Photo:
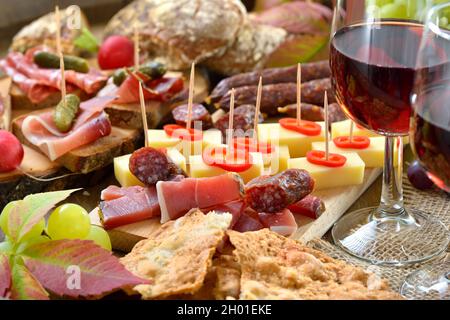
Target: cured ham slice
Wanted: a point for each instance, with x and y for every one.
(38, 83)
(310, 206)
(91, 124)
(248, 221)
(234, 207)
(176, 198)
(281, 222)
(123, 206)
(159, 89)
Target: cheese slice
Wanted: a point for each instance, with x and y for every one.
(276, 161)
(351, 173)
(297, 143)
(127, 179)
(159, 139)
(342, 128)
(373, 156)
(199, 169)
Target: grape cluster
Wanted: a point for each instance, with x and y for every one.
(68, 221)
(406, 9)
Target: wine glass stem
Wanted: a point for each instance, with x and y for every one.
(391, 203)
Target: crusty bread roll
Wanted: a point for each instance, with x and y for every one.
(43, 32)
(180, 32)
(250, 51)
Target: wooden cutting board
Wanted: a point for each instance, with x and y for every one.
(337, 201)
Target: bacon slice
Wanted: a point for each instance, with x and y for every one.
(159, 89)
(123, 206)
(176, 198)
(281, 222)
(236, 208)
(248, 221)
(39, 83)
(91, 124)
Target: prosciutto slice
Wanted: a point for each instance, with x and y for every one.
(281, 222)
(39, 83)
(176, 198)
(248, 221)
(122, 206)
(91, 124)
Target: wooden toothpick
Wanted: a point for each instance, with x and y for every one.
(350, 136)
(230, 121)
(257, 108)
(61, 57)
(299, 93)
(191, 96)
(144, 113)
(136, 47)
(325, 105)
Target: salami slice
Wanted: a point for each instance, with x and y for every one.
(310, 206)
(243, 119)
(199, 113)
(149, 165)
(310, 71)
(272, 194)
(278, 95)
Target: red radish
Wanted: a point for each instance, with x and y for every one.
(11, 151)
(116, 52)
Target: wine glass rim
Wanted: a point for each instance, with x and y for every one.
(431, 23)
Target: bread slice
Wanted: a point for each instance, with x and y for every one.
(129, 115)
(19, 100)
(17, 184)
(95, 155)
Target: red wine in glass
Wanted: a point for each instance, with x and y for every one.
(373, 73)
(430, 134)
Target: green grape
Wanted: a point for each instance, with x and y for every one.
(36, 230)
(393, 10)
(100, 237)
(378, 3)
(69, 221)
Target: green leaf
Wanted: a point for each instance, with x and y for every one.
(77, 268)
(87, 41)
(5, 275)
(25, 286)
(29, 211)
(297, 49)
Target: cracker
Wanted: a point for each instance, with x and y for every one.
(228, 277)
(275, 267)
(176, 258)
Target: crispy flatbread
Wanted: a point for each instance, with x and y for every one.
(275, 267)
(176, 258)
(228, 277)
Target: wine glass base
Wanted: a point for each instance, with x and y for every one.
(395, 240)
(429, 283)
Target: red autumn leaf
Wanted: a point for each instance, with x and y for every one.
(29, 211)
(77, 268)
(5, 275)
(298, 17)
(25, 286)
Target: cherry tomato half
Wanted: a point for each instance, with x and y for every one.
(318, 157)
(177, 131)
(249, 145)
(229, 160)
(357, 142)
(308, 128)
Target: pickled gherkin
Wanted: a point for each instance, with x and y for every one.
(65, 113)
(50, 60)
(153, 70)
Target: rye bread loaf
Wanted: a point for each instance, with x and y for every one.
(180, 32)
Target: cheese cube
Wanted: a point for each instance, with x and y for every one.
(199, 169)
(127, 179)
(373, 156)
(159, 139)
(277, 161)
(352, 172)
(342, 128)
(297, 143)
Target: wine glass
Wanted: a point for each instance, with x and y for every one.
(373, 63)
(430, 135)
